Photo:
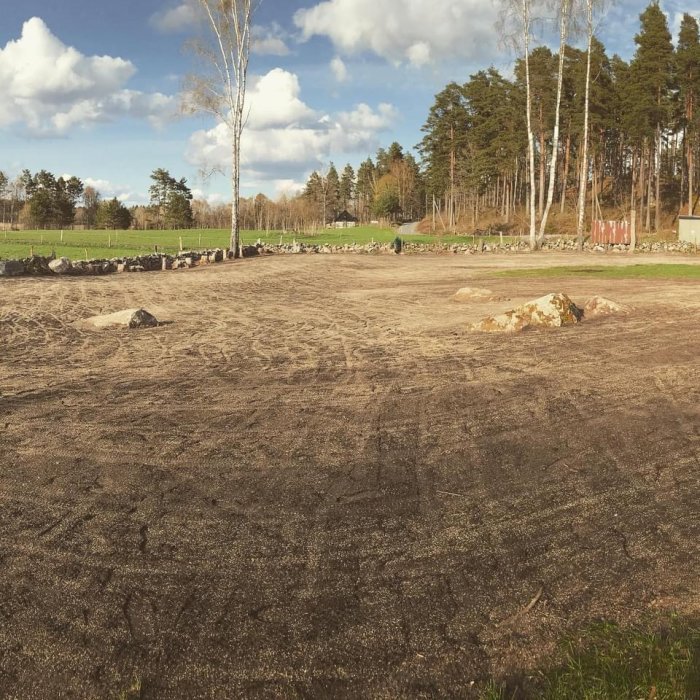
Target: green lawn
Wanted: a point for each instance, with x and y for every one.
(606, 662)
(109, 244)
(650, 271)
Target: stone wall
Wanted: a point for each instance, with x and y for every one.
(38, 265)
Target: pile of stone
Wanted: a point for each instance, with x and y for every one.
(549, 311)
(40, 265)
(466, 248)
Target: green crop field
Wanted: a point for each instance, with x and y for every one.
(110, 244)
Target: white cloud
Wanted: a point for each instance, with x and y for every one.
(274, 101)
(412, 31)
(269, 40)
(676, 21)
(288, 188)
(175, 19)
(109, 190)
(340, 70)
(285, 137)
(212, 198)
(266, 40)
(270, 46)
(50, 87)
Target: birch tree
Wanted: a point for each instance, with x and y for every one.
(221, 89)
(516, 27)
(586, 113)
(564, 11)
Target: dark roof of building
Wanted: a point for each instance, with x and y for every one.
(345, 216)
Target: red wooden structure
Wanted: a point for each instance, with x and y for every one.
(606, 232)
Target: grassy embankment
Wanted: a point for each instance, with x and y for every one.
(110, 244)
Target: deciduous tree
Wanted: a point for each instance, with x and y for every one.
(221, 89)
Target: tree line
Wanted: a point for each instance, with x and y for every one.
(44, 201)
(574, 131)
(390, 187)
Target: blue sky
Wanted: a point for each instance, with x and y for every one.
(93, 90)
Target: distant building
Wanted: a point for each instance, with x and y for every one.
(345, 220)
(689, 229)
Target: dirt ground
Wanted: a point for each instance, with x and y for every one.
(316, 482)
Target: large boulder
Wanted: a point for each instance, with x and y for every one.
(550, 311)
(11, 268)
(130, 318)
(60, 266)
(600, 306)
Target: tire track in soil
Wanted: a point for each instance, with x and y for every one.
(315, 480)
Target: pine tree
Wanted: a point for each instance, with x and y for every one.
(651, 77)
(445, 145)
(347, 187)
(364, 188)
(332, 185)
(688, 77)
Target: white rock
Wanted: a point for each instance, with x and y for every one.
(60, 266)
(550, 311)
(473, 294)
(129, 318)
(600, 306)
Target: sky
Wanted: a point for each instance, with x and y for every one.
(95, 89)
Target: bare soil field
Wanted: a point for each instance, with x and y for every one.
(315, 482)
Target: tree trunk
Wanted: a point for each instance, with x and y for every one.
(543, 170)
(584, 159)
(563, 33)
(565, 175)
(650, 188)
(530, 135)
(657, 175)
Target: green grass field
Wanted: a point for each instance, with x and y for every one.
(110, 244)
(651, 271)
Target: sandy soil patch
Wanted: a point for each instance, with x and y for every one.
(315, 481)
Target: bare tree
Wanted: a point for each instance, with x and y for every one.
(564, 11)
(591, 6)
(583, 180)
(515, 25)
(221, 89)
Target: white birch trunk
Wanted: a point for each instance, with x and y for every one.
(563, 34)
(527, 20)
(584, 159)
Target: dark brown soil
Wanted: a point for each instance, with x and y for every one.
(315, 482)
